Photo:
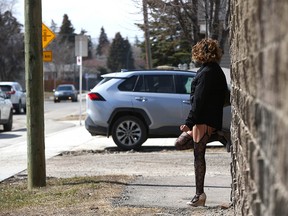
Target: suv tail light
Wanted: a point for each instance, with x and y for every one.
(95, 97)
(11, 92)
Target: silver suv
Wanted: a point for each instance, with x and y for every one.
(135, 105)
(17, 95)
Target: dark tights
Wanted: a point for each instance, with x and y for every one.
(200, 163)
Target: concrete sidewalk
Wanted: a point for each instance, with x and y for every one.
(13, 158)
(164, 178)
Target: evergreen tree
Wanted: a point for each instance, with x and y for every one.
(66, 41)
(120, 54)
(169, 46)
(103, 44)
(63, 48)
(168, 43)
(53, 26)
(11, 47)
(137, 41)
(67, 31)
(128, 55)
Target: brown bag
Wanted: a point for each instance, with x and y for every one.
(184, 141)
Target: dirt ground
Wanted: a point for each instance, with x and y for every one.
(151, 181)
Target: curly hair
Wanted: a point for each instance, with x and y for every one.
(206, 50)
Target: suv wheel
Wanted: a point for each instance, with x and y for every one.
(129, 132)
(19, 108)
(8, 125)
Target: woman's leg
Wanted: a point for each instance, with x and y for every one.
(201, 134)
(184, 142)
(200, 163)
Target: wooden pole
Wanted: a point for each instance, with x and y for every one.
(147, 36)
(35, 94)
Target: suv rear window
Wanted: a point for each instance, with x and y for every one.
(104, 80)
(6, 88)
(180, 84)
(128, 84)
(149, 83)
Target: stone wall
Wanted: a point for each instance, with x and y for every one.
(259, 72)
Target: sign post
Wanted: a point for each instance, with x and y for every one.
(81, 50)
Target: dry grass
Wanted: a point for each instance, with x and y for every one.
(72, 196)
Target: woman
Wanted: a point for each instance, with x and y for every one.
(207, 99)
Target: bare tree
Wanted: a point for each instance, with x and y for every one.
(7, 5)
(196, 18)
(191, 14)
(62, 55)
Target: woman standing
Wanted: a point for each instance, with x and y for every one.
(207, 99)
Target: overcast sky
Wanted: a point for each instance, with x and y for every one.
(114, 15)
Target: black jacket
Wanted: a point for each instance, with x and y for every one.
(207, 97)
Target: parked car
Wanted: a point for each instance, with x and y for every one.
(65, 92)
(17, 95)
(135, 105)
(6, 111)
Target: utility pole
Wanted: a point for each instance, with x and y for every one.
(35, 94)
(147, 36)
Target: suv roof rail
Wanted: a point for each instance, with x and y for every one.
(154, 69)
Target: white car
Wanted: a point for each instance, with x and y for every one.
(6, 112)
(17, 95)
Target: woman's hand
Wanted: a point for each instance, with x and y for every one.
(184, 128)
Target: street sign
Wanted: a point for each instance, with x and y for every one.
(47, 56)
(47, 36)
(79, 60)
(81, 45)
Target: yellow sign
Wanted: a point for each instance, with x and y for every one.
(47, 36)
(47, 56)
